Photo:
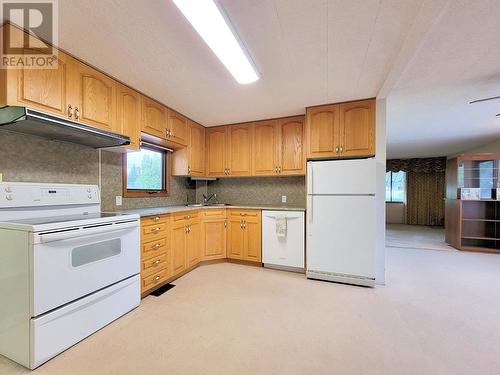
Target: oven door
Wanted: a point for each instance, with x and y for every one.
(71, 264)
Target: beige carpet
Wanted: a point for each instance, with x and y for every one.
(438, 314)
(416, 237)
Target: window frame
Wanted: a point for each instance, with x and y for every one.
(391, 200)
(145, 193)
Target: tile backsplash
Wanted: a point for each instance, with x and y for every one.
(27, 158)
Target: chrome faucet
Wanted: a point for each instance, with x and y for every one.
(207, 199)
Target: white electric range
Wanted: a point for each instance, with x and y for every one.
(66, 269)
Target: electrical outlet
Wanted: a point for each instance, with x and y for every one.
(118, 200)
(1, 177)
(283, 199)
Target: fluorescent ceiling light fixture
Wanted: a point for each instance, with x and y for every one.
(209, 22)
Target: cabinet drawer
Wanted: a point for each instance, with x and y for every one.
(153, 248)
(247, 213)
(151, 232)
(154, 264)
(185, 215)
(154, 279)
(151, 220)
(213, 213)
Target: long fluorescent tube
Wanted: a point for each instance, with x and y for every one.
(208, 21)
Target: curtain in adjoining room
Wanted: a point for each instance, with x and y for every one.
(425, 188)
(425, 198)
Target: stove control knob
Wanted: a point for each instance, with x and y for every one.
(89, 190)
(8, 189)
(89, 196)
(8, 197)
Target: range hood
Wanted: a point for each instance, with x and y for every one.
(29, 121)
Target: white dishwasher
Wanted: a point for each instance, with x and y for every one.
(285, 251)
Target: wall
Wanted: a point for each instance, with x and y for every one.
(493, 146)
(259, 190)
(395, 213)
(380, 158)
(182, 190)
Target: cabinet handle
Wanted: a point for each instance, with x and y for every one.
(241, 224)
(341, 149)
(225, 223)
(276, 170)
(156, 278)
(70, 111)
(155, 230)
(189, 229)
(244, 224)
(156, 246)
(189, 169)
(337, 149)
(77, 113)
(156, 262)
(279, 170)
(157, 218)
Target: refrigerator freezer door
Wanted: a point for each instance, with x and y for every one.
(343, 177)
(341, 237)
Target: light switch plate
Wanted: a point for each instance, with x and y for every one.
(283, 199)
(119, 200)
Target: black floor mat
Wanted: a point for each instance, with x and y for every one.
(165, 288)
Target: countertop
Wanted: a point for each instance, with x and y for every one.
(171, 209)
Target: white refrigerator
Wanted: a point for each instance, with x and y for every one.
(341, 221)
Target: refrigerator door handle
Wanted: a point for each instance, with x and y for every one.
(310, 179)
(310, 208)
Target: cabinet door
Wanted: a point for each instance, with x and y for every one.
(265, 148)
(193, 244)
(216, 151)
(196, 150)
(92, 95)
(128, 119)
(322, 130)
(357, 128)
(214, 239)
(43, 89)
(253, 240)
(239, 145)
(178, 247)
(235, 239)
(177, 124)
(291, 146)
(154, 118)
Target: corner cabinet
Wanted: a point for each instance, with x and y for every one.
(341, 130)
(190, 160)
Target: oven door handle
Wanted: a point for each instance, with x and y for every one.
(82, 232)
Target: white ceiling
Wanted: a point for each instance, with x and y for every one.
(428, 57)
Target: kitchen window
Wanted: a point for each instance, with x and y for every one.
(146, 173)
(395, 186)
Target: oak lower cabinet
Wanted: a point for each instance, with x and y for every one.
(155, 251)
(186, 241)
(341, 130)
(244, 235)
(213, 234)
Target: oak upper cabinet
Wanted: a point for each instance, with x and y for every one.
(42, 89)
(213, 233)
(265, 153)
(244, 237)
(177, 128)
(128, 119)
(92, 96)
(239, 148)
(291, 159)
(322, 131)
(153, 118)
(196, 149)
(178, 247)
(190, 160)
(341, 130)
(357, 128)
(215, 151)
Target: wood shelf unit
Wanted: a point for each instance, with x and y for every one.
(473, 225)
